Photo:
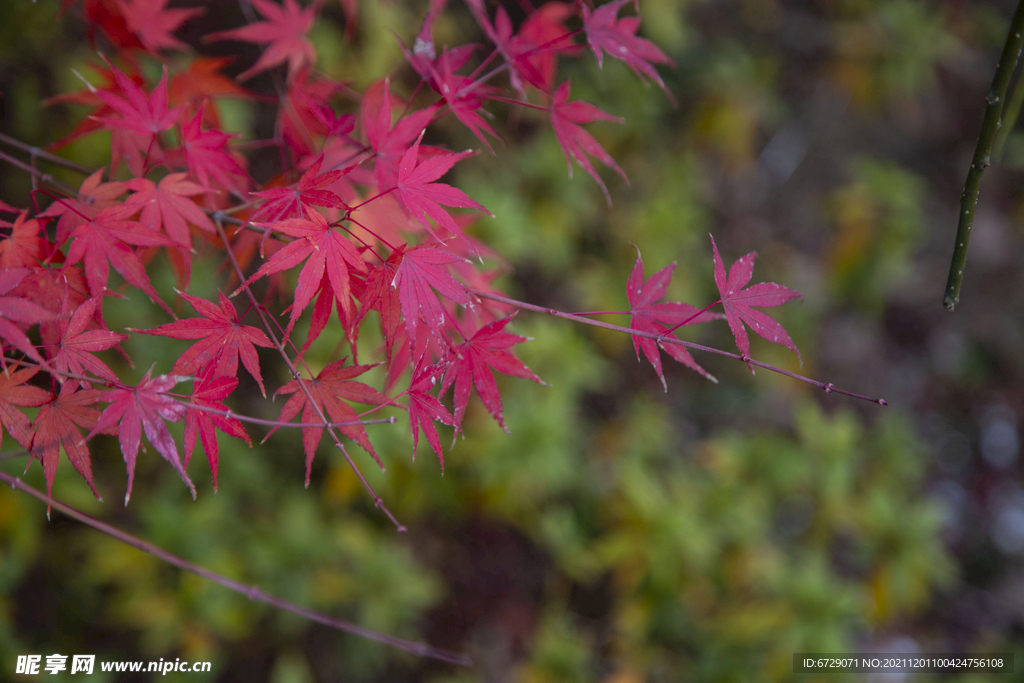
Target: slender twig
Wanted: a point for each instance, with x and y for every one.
(251, 592)
(827, 387)
(43, 154)
(983, 154)
(39, 175)
(297, 376)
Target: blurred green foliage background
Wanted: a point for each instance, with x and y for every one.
(619, 534)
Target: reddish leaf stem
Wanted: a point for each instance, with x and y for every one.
(251, 592)
(827, 387)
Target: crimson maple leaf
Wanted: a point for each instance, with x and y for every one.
(330, 389)
(461, 93)
(144, 408)
(658, 318)
(93, 196)
(285, 31)
(425, 409)
(513, 48)
(382, 297)
(545, 29)
(327, 250)
(421, 269)
(19, 310)
(25, 246)
(154, 24)
(14, 392)
(222, 340)
(55, 426)
(618, 37)
(416, 189)
(102, 242)
(389, 144)
(206, 153)
(168, 206)
(737, 303)
(77, 343)
(210, 391)
(146, 116)
(291, 202)
(577, 143)
(472, 364)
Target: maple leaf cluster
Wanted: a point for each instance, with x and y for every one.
(358, 225)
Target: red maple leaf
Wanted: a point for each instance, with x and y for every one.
(737, 303)
(389, 143)
(25, 246)
(327, 250)
(425, 409)
(475, 358)
(461, 93)
(55, 426)
(15, 311)
(382, 297)
(421, 269)
(285, 31)
(291, 202)
(330, 389)
(143, 408)
(545, 29)
(577, 143)
(102, 242)
(210, 391)
(168, 206)
(78, 343)
(206, 153)
(14, 392)
(514, 49)
(222, 340)
(154, 24)
(93, 197)
(618, 37)
(421, 196)
(658, 318)
(147, 116)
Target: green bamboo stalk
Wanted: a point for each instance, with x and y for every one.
(983, 154)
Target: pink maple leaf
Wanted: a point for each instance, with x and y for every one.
(577, 143)
(738, 301)
(474, 359)
(154, 24)
(222, 340)
(618, 37)
(143, 408)
(658, 318)
(284, 32)
(424, 197)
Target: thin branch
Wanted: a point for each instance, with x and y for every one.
(827, 387)
(38, 175)
(983, 154)
(377, 500)
(43, 154)
(251, 592)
